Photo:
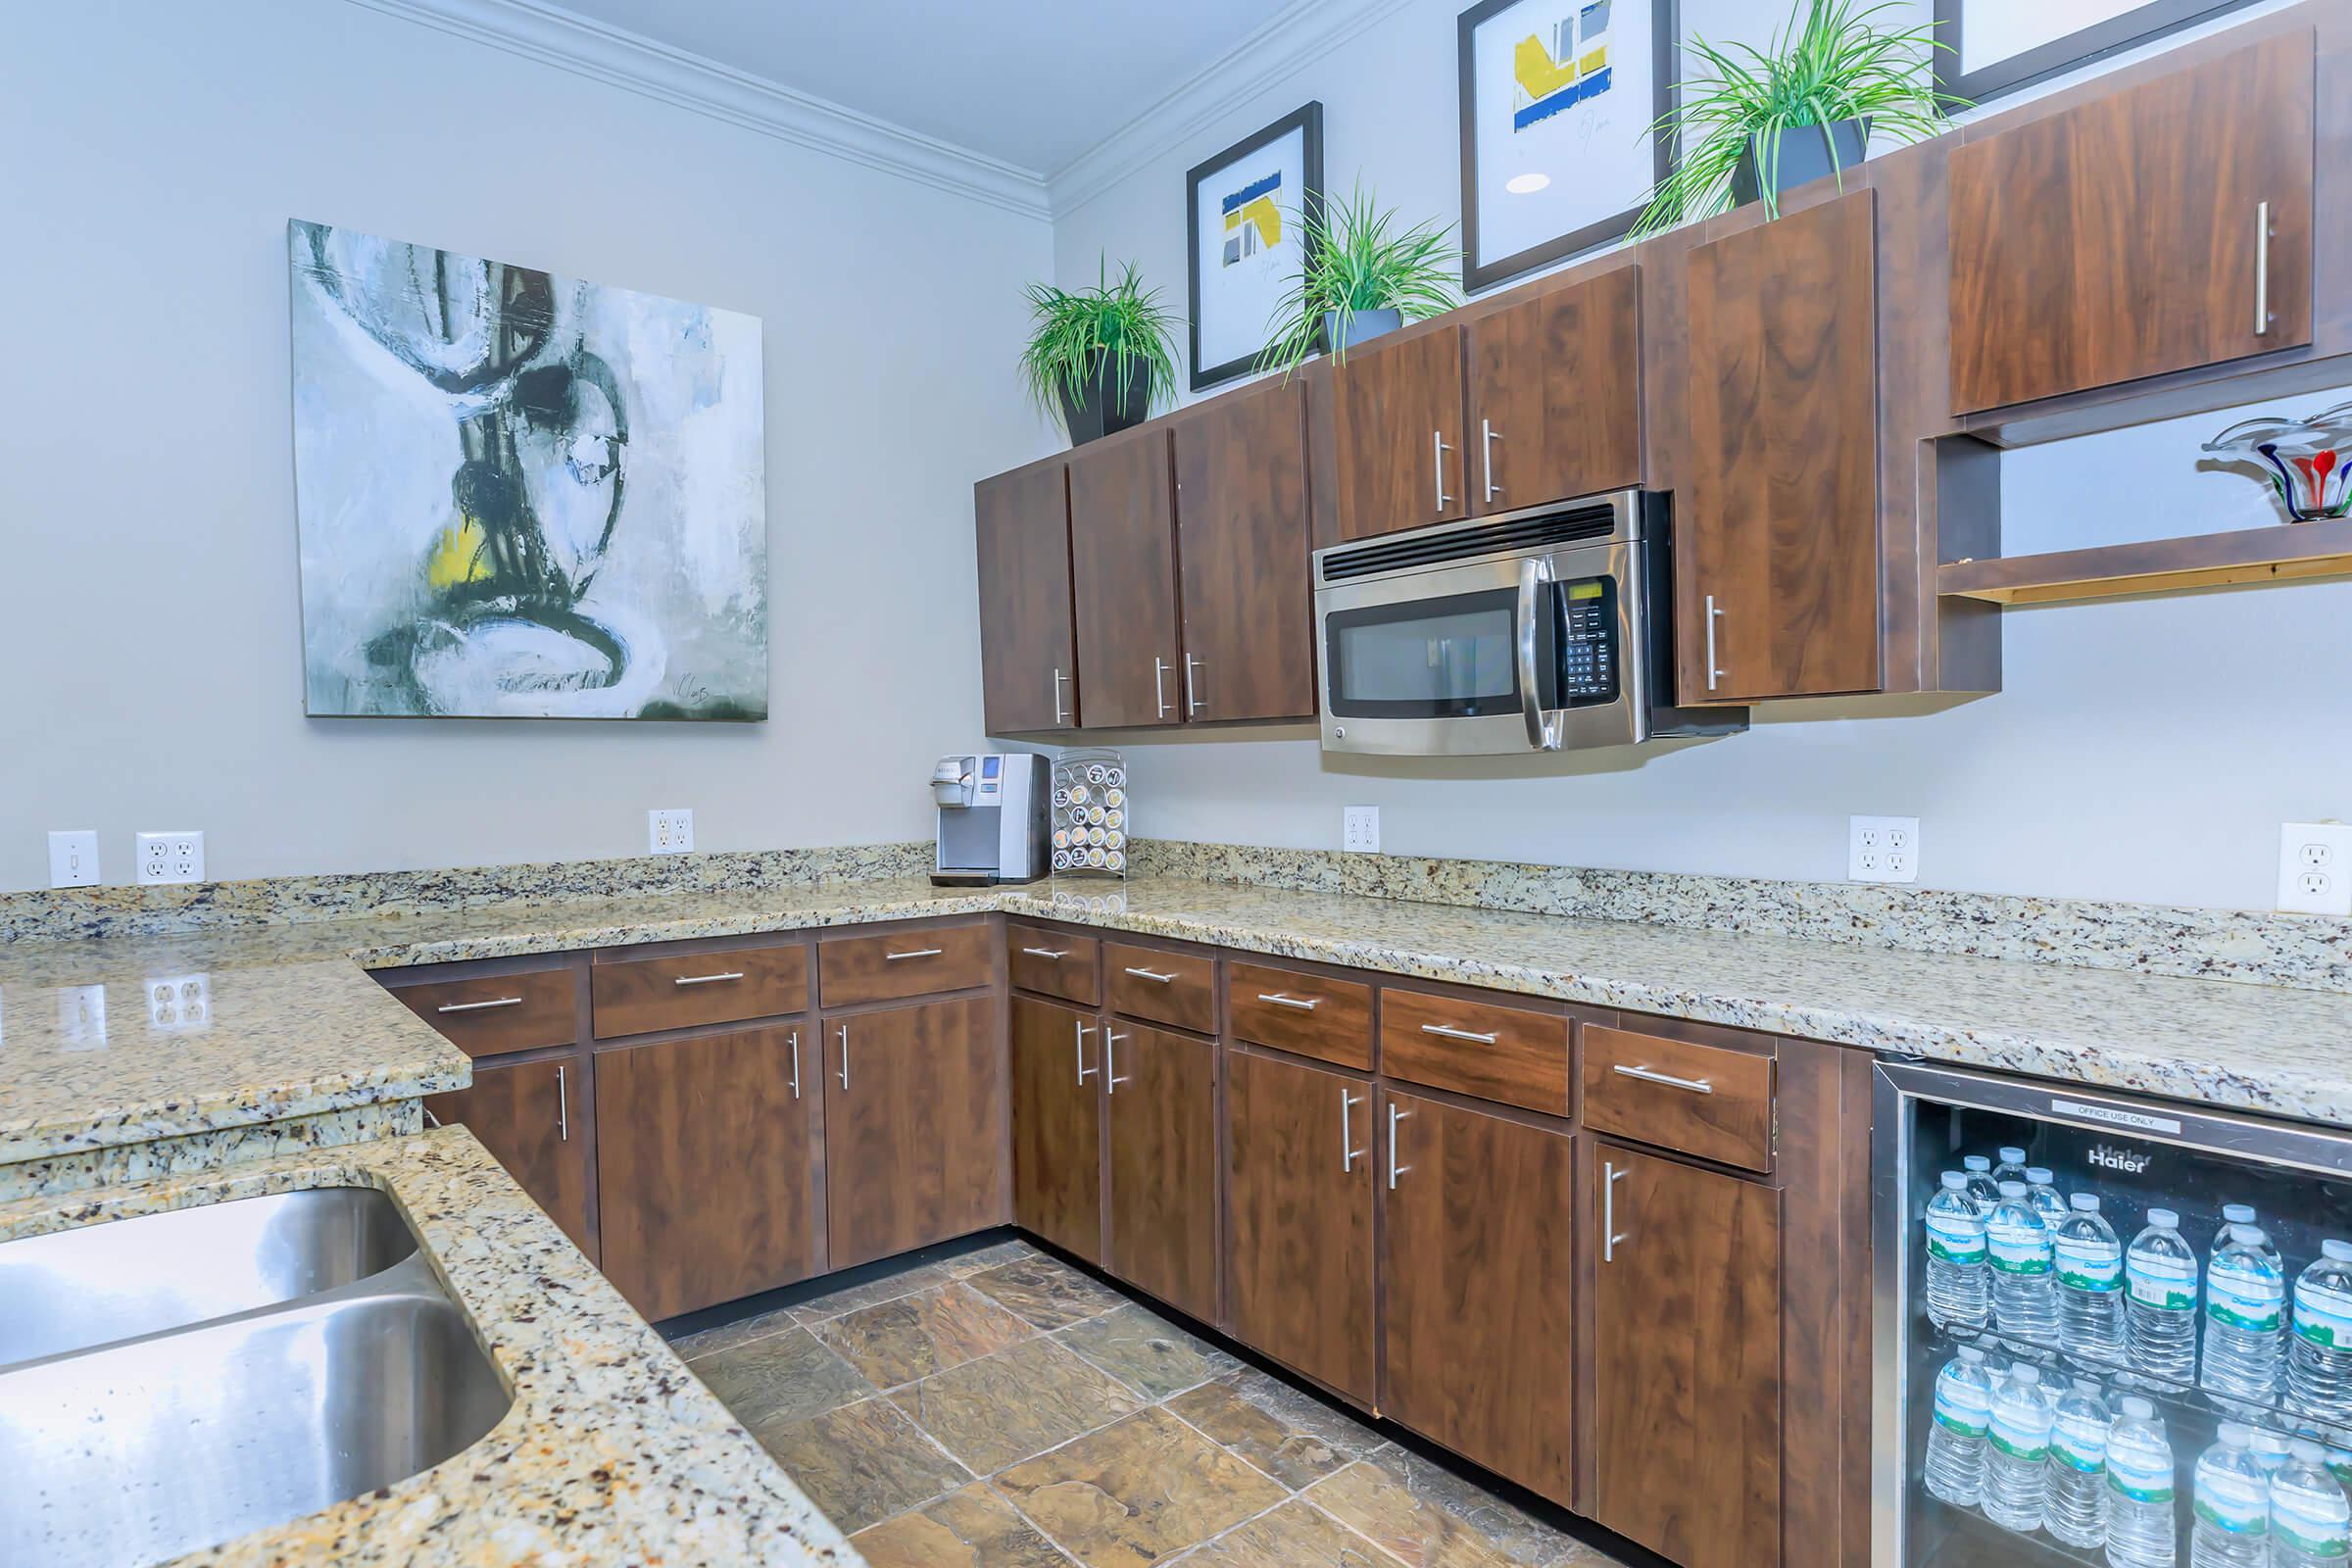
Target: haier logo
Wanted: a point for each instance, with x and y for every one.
(2122, 1159)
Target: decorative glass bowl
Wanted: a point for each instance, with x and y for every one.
(2309, 461)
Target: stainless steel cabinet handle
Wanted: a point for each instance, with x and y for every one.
(912, 953)
(1486, 440)
(1608, 1212)
(563, 1103)
(1084, 1072)
(1159, 683)
(1283, 999)
(1111, 1072)
(1713, 615)
(1451, 1033)
(1191, 683)
(1056, 954)
(707, 979)
(1396, 1170)
(1152, 974)
(1349, 1153)
(1060, 716)
(1650, 1075)
(845, 1056)
(477, 1007)
(1437, 451)
(2262, 269)
(796, 1065)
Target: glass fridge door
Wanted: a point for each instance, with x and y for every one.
(2136, 1155)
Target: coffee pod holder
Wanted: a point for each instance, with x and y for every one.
(1090, 813)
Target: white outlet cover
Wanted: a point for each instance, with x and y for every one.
(172, 856)
(670, 830)
(73, 858)
(1359, 829)
(1882, 849)
(2314, 867)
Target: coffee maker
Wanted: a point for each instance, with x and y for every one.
(992, 819)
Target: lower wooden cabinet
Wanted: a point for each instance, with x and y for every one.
(534, 1117)
(914, 1127)
(1300, 1193)
(1687, 1360)
(706, 1163)
(1478, 1287)
(1057, 1125)
(1160, 1092)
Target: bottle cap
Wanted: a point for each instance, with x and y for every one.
(1975, 1162)
(2025, 1373)
(2013, 1188)
(2234, 1433)
(1955, 1181)
(2238, 1214)
(2307, 1450)
(2083, 1202)
(2013, 1156)
(2040, 1175)
(2138, 1408)
(2163, 1219)
(2335, 1250)
(1971, 1355)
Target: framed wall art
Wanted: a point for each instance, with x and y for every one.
(1241, 211)
(1997, 46)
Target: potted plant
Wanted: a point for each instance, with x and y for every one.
(1100, 358)
(1764, 123)
(1362, 276)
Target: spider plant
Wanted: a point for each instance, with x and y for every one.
(1832, 64)
(1111, 341)
(1357, 259)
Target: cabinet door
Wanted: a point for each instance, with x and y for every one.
(914, 1128)
(2125, 238)
(705, 1158)
(1300, 1186)
(1555, 395)
(1161, 1090)
(1687, 1360)
(1478, 1290)
(1243, 539)
(533, 1117)
(1057, 1125)
(1777, 532)
(1396, 411)
(1123, 572)
(1028, 644)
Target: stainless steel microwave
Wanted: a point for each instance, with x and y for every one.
(1545, 629)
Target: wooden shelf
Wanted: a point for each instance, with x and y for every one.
(2285, 554)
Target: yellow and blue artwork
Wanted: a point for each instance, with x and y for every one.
(1562, 65)
(1253, 219)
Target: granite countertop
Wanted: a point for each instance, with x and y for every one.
(612, 1453)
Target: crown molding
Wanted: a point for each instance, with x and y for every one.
(537, 30)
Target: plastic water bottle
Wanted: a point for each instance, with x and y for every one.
(1982, 1188)
(2023, 1296)
(2319, 1355)
(2160, 1301)
(1956, 1441)
(2233, 1527)
(2016, 1450)
(2090, 1283)
(2311, 1522)
(2231, 1214)
(2139, 1488)
(2245, 1311)
(2012, 1167)
(2074, 1510)
(2042, 1192)
(2269, 1450)
(1958, 1290)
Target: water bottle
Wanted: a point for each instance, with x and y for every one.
(2090, 1283)
(2246, 1311)
(2318, 1356)
(1982, 1189)
(2012, 1167)
(2160, 1301)
(2139, 1488)
(2233, 1528)
(2231, 1214)
(2311, 1522)
(1959, 1290)
(2075, 1508)
(2042, 1193)
(1956, 1440)
(2017, 1451)
(2023, 1297)
(2269, 1450)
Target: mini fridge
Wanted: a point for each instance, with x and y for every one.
(2136, 1154)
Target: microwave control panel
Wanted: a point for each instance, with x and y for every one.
(1585, 633)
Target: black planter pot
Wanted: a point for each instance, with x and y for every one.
(1102, 409)
(1803, 156)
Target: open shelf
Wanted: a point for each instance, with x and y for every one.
(2282, 554)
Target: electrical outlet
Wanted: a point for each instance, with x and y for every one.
(2315, 869)
(171, 858)
(1359, 829)
(1882, 849)
(669, 832)
(180, 1004)
(73, 858)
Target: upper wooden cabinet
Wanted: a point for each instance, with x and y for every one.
(1243, 537)
(1398, 459)
(1555, 395)
(1123, 576)
(2156, 228)
(1028, 641)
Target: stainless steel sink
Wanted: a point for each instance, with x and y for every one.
(344, 1378)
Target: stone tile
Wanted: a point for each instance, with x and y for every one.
(1146, 1352)
(1431, 1518)
(887, 1289)
(780, 1379)
(862, 1463)
(1048, 1293)
(1295, 1536)
(969, 1529)
(1137, 1492)
(726, 1336)
(1000, 1409)
(987, 1258)
(1291, 1436)
(915, 1336)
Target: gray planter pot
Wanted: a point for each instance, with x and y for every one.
(1803, 156)
(1102, 411)
(1362, 327)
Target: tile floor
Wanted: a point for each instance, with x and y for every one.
(1002, 1410)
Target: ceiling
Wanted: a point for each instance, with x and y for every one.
(1030, 82)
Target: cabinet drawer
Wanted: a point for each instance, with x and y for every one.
(1311, 1014)
(905, 963)
(1173, 988)
(1512, 1054)
(488, 1015)
(1707, 1101)
(682, 990)
(1054, 962)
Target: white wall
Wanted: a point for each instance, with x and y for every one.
(148, 598)
(2143, 750)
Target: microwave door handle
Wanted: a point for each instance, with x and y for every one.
(1543, 734)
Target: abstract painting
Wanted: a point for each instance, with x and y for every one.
(1241, 206)
(520, 495)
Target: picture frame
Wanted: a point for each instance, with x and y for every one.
(2131, 26)
(1515, 223)
(1236, 271)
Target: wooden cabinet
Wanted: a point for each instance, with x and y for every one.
(914, 1127)
(707, 1165)
(635, 993)
(1028, 640)
(1777, 523)
(1123, 577)
(1687, 1360)
(1478, 1291)
(491, 1014)
(899, 964)
(1398, 459)
(1299, 1172)
(534, 1117)
(2155, 228)
(1057, 1125)
(1160, 1092)
(1244, 538)
(1555, 395)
